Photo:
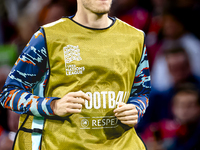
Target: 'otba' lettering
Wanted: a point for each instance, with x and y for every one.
(105, 99)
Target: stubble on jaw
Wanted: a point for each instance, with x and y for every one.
(92, 5)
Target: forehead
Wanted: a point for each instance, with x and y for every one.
(185, 98)
(176, 57)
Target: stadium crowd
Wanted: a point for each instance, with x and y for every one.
(172, 120)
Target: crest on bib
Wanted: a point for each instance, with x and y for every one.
(71, 53)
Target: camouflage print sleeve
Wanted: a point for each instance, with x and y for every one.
(141, 87)
(29, 70)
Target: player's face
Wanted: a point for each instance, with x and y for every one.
(97, 6)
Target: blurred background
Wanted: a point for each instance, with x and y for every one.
(172, 120)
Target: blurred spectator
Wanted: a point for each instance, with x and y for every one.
(40, 12)
(1, 33)
(27, 21)
(183, 131)
(8, 54)
(6, 141)
(153, 37)
(18, 8)
(7, 29)
(193, 7)
(175, 34)
(178, 64)
(189, 13)
(7, 136)
(9, 120)
(57, 9)
(4, 71)
(50, 14)
(130, 12)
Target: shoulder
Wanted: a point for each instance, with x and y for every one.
(56, 28)
(56, 23)
(128, 28)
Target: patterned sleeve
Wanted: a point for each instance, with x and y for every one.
(141, 86)
(27, 73)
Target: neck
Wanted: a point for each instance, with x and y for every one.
(92, 20)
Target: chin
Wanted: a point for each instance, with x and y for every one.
(102, 11)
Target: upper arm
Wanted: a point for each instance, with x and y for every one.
(142, 83)
(27, 72)
(31, 64)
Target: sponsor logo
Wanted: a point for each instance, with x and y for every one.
(99, 122)
(84, 123)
